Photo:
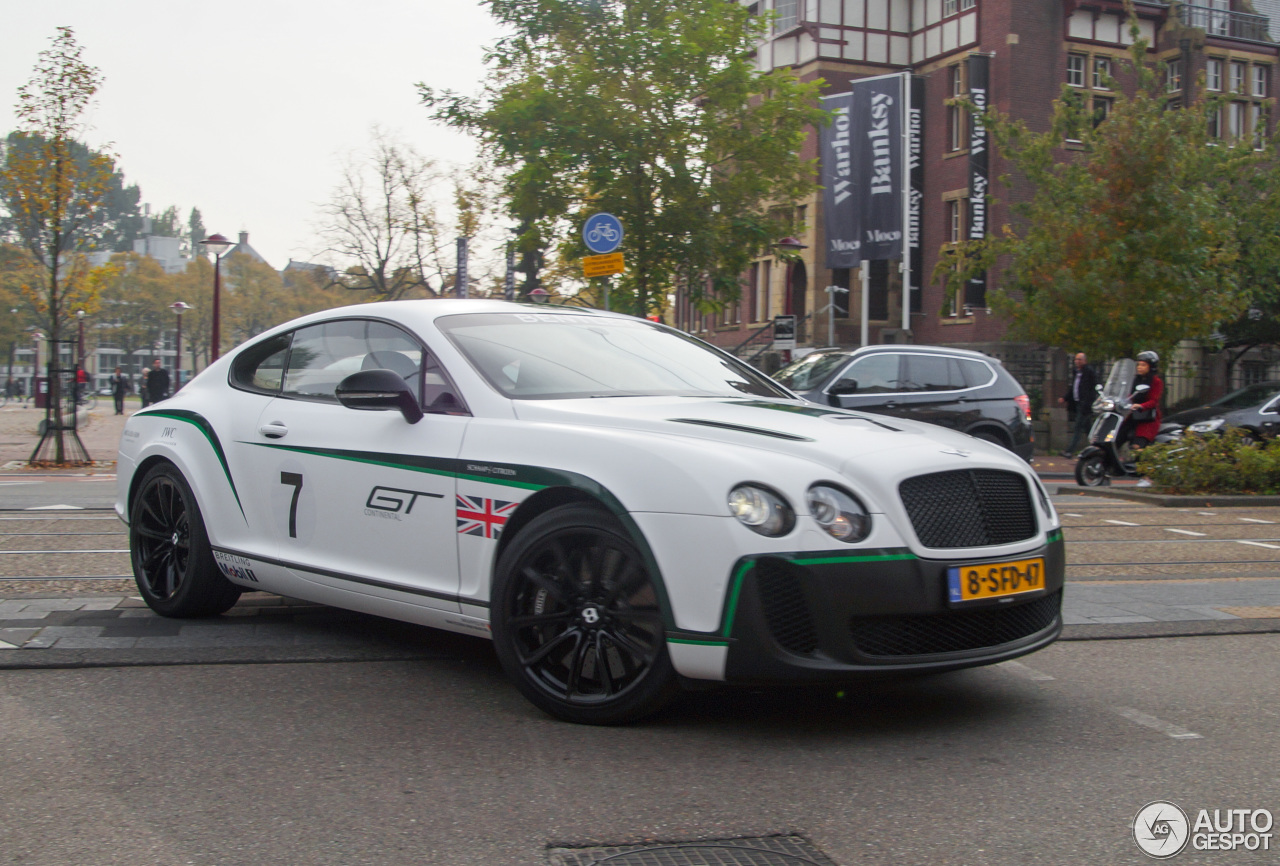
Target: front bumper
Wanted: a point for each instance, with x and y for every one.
(812, 617)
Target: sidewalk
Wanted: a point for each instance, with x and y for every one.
(99, 432)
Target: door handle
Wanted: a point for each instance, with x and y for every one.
(274, 430)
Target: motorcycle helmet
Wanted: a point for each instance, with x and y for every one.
(1150, 357)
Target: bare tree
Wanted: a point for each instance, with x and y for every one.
(381, 226)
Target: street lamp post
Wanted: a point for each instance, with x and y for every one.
(80, 353)
(217, 245)
(178, 308)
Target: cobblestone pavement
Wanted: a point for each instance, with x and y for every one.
(99, 431)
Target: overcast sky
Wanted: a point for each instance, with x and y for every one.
(244, 108)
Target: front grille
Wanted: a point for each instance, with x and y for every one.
(953, 631)
(969, 508)
(785, 610)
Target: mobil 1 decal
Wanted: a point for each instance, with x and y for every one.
(975, 292)
(880, 167)
(839, 198)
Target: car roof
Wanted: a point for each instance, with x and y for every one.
(910, 349)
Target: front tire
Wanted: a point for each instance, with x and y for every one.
(576, 620)
(1091, 471)
(172, 562)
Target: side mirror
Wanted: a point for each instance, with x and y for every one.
(1142, 388)
(375, 390)
(844, 386)
(1098, 388)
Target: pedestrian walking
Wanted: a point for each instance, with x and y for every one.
(142, 388)
(1079, 401)
(120, 387)
(157, 382)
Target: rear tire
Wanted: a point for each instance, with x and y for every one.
(576, 620)
(1091, 471)
(173, 563)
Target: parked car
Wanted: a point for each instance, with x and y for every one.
(614, 503)
(1255, 409)
(956, 388)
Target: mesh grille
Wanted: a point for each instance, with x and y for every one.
(785, 609)
(954, 631)
(969, 508)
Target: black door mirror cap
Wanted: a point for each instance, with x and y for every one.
(379, 390)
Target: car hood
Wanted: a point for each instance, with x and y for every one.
(847, 442)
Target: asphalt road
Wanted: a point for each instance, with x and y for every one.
(440, 761)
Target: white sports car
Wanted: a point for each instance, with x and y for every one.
(618, 505)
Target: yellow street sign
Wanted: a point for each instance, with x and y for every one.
(602, 266)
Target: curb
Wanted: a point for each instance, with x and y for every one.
(1184, 628)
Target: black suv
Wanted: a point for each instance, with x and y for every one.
(966, 391)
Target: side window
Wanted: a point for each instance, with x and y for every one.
(875, 374)
(932, 373)
(439, 396)
(261, 367)
(323, 355)
(976, 373)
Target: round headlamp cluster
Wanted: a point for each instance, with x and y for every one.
(761, 510)
(838, 513)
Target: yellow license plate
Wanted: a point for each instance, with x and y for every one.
(995, 579)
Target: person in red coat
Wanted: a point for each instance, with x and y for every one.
(1143, 422)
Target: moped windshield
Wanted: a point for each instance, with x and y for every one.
(1120, 380)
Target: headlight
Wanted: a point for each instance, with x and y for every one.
(761, 510)
(1206, 426)
(842, 516)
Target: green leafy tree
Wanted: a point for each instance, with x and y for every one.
(254, 299)
(133, 309)
(54, 197)
(652, 110)
(1123, 244)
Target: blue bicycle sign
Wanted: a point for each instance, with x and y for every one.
(602, 233)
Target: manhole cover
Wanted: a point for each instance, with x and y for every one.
(763, 851)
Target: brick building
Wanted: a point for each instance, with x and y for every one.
(1032, 48)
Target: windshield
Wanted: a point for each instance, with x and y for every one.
(1248, 396)
(811, 370)
(543, 356)
(1120, 381)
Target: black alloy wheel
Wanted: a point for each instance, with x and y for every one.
(1091, 471)
(169, 548)
(577, 622)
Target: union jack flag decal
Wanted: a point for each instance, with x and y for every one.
(483, 517)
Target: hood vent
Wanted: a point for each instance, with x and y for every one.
(740, 428)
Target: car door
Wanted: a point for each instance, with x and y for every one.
(938, 393)
(361, 500)
(872, 383)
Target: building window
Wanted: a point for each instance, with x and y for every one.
(1259, 81)
(1173, 75)
(1101, 73)
(1258, 123)
(1213, 122)
(955, 221)
(967, 4)
(1237, 78)
(1075, 70)
(1235, 120)
(788, 15)
(956, 113)
(1213, 75)
(1101, 109)
(948, 7)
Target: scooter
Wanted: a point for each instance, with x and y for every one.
(1101, 460)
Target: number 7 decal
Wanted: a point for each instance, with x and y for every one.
(293, 479)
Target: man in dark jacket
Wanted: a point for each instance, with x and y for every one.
(1079, 401)
(157, 382)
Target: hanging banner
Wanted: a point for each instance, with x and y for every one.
(879, 165)
(915, 196)
(975, 291)
(839, 197)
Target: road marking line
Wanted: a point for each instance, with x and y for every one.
(1152, 722)
(1255, 520)
(1182, 531)
(1259, 544)
(1069, 514)
(18, 483)
(1207, 513)
(5, 646)
(55, 508)
(1028, 672)
(1121, 522)
(29, 552)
